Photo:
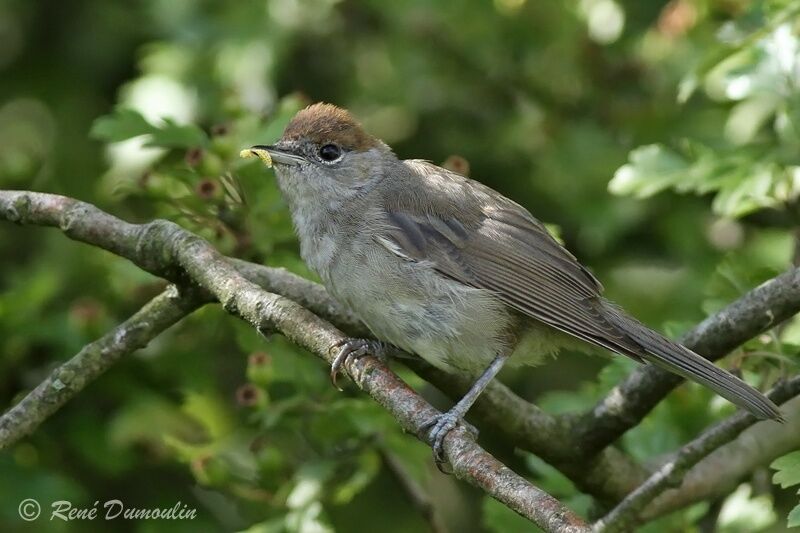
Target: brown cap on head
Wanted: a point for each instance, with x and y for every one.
(326, 123)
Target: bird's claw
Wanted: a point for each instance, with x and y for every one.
(353, 348)
(440, 426)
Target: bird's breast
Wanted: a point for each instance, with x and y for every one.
(415, 308)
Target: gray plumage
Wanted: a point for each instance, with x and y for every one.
(445, 267)
(510, 253)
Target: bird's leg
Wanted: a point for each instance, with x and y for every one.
(354, 348)
(442, 424)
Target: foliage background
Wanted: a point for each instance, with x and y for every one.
(696, 100)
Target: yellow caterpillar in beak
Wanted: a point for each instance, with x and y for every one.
(255, 152)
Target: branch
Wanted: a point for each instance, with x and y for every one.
(627, 514)
(608, 476)
(310, 295)
(95, 358)
(719, 473)
(624, 407)
(167, 250)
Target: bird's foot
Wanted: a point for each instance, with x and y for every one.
(354, 349)
(441, 425)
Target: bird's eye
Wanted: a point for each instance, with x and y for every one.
(330, 152)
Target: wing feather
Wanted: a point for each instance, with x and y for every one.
(515, 257)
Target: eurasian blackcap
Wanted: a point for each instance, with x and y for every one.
(444, 267)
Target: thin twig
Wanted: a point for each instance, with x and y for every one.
(95, 358)
(722, 470)
(626, 515)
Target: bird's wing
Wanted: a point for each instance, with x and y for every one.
(507, 251)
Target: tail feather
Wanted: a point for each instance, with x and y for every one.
(680, 360)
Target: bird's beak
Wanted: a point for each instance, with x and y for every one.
(271, 154)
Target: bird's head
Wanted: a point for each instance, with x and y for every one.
(325, 154)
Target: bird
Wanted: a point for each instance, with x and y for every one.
(444, 267)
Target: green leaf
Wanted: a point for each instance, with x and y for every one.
(172, 135)
(650, 169)
(687, 87)
(744, 194)
(309, 484)
(148, 420)
(210, 411)
(793, 520)
(749, 116)
(125, 124)
(306, 519)
(731, 279)
(367, 467)
(742, 511)
(274, 127)
(121, 125)
(788, 470)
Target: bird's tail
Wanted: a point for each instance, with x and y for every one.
(673, 357)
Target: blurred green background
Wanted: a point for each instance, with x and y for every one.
(660, 140)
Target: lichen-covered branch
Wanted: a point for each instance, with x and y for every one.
(95, 358)
(167, 250)
(310, 295)
(624, 407)
(626, 515)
